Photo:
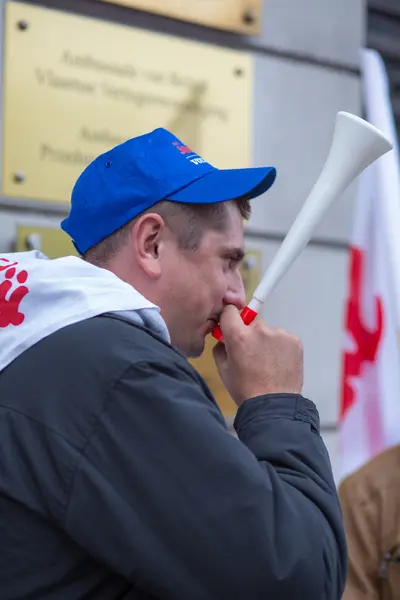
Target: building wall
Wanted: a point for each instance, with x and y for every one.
(383, 35)
(306, 69)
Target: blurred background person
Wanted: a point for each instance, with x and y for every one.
(370, 500)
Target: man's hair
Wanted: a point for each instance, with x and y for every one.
(187, 221)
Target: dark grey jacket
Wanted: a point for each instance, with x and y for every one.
(120, 480)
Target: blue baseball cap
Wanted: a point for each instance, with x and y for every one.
(132, 177)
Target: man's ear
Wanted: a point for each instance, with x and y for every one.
(147, 235)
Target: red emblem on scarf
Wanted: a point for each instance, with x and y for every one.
(12, 292)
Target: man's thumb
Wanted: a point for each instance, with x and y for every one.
(230, 322)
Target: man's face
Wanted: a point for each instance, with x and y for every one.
(201, 282)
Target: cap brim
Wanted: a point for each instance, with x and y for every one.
(226, 184)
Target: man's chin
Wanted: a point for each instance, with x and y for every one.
(195, 350)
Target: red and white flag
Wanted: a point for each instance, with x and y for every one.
(370, 394)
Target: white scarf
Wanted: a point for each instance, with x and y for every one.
(39, 296)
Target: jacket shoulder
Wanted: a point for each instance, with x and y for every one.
(63, 381)
(380, 473)
(109, 340)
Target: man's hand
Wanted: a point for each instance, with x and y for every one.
(256, 360)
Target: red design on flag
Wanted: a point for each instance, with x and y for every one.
(366, 340)
(10, 301)
(182, 149)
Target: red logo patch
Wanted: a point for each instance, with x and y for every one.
(12, 292)
(182, 149)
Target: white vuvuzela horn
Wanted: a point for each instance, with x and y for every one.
(356, 144)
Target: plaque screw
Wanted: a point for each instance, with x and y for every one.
(248, 17)
(19, 177)
(249, 263)
(23, 24)
(33, 241)
(238, 72)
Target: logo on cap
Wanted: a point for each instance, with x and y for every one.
(182, 148)
(194, 157)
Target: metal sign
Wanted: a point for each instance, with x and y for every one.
(69, 96)
(241, 16)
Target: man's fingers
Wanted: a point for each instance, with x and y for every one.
(230, 319)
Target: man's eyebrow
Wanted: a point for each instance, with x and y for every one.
(236, 254)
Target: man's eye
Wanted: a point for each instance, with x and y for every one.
(231, 262)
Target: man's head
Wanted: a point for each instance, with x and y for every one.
(185, 259)
(171, 225)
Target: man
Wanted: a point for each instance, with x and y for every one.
(370, 499)
(119, 477)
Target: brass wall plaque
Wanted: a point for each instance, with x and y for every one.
(242, 16)
(251, 273)
(74, 87)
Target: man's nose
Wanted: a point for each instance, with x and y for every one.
(236, 294)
